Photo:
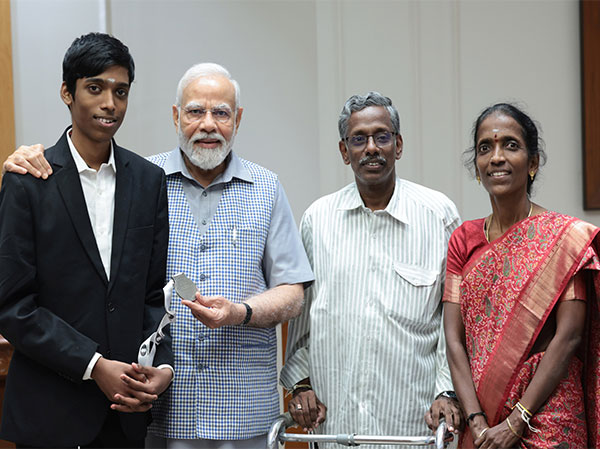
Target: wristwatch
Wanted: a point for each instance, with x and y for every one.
(447, 394)
(248, 314)
(303, 386)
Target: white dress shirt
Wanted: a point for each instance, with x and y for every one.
(370, 336)
(99, 192)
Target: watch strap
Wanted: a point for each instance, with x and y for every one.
(248, 314)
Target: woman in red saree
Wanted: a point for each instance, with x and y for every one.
(520, 311)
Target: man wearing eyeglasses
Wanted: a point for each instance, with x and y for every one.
(231, 231)
(367, 354)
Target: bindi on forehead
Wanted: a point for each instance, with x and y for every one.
(106, 81)
(495, 130)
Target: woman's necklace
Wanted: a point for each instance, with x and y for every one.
(486, 227)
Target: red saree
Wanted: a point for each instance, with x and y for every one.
(507, 290)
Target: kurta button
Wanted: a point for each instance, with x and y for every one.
(111, 307)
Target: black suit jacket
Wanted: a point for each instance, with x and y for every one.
(57, 306)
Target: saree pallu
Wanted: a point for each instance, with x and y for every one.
(507, 290)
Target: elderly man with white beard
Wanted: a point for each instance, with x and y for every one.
(232, 232)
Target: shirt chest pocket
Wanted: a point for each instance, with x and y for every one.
(245, 243)
(416, 293)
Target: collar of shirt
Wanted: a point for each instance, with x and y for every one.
(396, 207)
(235, 169)
(81, 164)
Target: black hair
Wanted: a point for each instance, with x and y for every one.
(531, 136)
(93, 53)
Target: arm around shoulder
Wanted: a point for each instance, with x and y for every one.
(28, 159)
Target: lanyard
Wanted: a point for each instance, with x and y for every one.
(186, 289)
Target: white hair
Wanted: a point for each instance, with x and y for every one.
(203, 70)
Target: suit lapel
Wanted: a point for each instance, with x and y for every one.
(69, 186)
(122, 202)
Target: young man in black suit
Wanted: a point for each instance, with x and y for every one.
(82, 266)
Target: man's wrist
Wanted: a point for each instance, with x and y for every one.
(87, 375)
(247, 314)
(300, 387)
(447, 394)
(168, 366)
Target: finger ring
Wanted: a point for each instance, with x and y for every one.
(299, 407)
(482, 432)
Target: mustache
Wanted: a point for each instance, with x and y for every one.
(202, 135)
(373, 158)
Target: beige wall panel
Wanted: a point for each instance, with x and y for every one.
(441, 62)
(7, 118)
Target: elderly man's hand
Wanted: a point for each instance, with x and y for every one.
(447, 408)
(307, 410)
(28, 159)
(215, 312)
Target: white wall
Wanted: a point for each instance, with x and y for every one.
(441, 62)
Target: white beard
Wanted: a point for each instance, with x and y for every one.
(205, 158)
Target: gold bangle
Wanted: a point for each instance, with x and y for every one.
(512, 429)
(522, 409)
(482, 432)
(526, 416)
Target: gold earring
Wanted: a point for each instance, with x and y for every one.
(531, 175)
(478, 179)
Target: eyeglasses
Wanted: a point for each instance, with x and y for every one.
(219, 114)
(359, 141)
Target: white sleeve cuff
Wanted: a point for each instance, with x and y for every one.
(87, 375)
(168, 366)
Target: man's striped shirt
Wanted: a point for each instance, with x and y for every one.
(370, 336)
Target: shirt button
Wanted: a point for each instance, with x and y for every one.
(202, 277)
(111, 307)
(203, 248)
(201, 338)
(203, 221)
(204, 194)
